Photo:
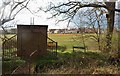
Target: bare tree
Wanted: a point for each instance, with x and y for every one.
(8, 12)
(93, 18)
(70, 9)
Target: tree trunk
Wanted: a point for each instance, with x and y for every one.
(110, 25)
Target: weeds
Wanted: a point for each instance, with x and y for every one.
(79, 63)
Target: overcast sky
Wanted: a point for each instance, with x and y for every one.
(24, 17)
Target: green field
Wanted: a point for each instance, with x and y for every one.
(70, 40)
(79, 62)
(66, 40)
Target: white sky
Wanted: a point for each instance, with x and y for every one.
(24, 16)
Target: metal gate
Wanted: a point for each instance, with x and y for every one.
(13, 64)
(10, 60)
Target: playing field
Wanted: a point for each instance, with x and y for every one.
(70, 40)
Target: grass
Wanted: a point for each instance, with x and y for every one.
(64, 40)
(69, 40)
(79, 62)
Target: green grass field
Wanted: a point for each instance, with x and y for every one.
(66, 40)
(79, 62)
(70, 40)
